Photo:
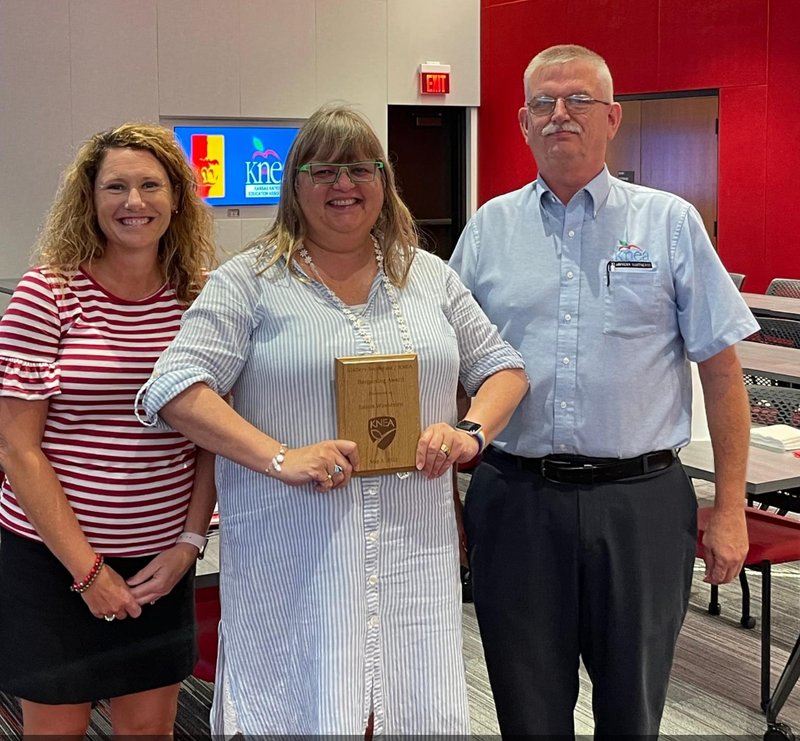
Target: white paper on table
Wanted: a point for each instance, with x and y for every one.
(776, 437)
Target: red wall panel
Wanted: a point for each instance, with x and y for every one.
(712, 43)
(628, 42)
(783, 142)
(741, 180)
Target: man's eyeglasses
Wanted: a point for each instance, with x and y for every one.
(544, 105)
(120, 189)
(327, 173)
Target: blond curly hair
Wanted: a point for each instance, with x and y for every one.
(71, 233)
(336, 133)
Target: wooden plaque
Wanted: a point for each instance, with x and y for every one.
(377, 406)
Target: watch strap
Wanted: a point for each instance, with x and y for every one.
(198, 541)
(475, 430)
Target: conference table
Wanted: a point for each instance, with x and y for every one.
(770, 361)
(767, 470)
(777, 307)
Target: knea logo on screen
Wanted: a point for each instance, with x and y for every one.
(237, 165)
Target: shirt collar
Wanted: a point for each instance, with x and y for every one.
(597, 189)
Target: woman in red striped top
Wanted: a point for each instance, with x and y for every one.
(91, 498)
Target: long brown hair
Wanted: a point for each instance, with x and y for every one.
(336, 133)
(72, 235)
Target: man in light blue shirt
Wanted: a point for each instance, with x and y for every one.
(580, 520)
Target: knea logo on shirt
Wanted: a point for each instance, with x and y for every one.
(627, 256)
(631, 254)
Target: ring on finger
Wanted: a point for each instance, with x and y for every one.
(109, 618)
(445, 449)
(337, 469)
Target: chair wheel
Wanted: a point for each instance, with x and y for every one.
(714, 608)
(748, 621)
(779, 732)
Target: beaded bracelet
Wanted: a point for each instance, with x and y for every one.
(277, 460)
(88, 580)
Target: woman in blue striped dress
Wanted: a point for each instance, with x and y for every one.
(340, 594)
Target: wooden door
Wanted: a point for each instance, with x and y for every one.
(671, 144)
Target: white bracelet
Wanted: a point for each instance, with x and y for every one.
(198, 541)
(277, 461)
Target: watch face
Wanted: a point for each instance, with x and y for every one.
(467, 426)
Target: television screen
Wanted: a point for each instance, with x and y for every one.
(237, 165)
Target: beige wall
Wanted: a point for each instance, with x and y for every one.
(69, 68)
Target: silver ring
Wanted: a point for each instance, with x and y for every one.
(337, 469)
(109, 618)
(330, 478)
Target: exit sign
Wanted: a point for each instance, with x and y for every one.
(434, 78)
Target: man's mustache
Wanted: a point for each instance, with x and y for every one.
(554, 128)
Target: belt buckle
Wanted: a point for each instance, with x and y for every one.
(577, 471)
(543, 467)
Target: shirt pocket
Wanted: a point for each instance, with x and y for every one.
(631, 307)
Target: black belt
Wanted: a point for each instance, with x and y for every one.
(578, 469)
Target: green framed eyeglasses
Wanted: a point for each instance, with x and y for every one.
(327, 173)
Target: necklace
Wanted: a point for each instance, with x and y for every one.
(356, 322)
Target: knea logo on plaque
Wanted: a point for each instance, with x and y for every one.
(377, 406)
(382, 430)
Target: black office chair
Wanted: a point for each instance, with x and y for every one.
(785, 332)
(789, 287)
(738, 279)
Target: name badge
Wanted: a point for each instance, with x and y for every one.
(625, 264)
(614, 265)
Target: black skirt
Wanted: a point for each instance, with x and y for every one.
(54, 651)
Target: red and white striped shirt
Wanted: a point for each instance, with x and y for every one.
(88, 352)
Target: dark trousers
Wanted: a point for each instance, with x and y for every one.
(563, 572)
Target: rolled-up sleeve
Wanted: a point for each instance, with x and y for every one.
(211, 346)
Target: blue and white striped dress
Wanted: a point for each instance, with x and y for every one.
(334, 603)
